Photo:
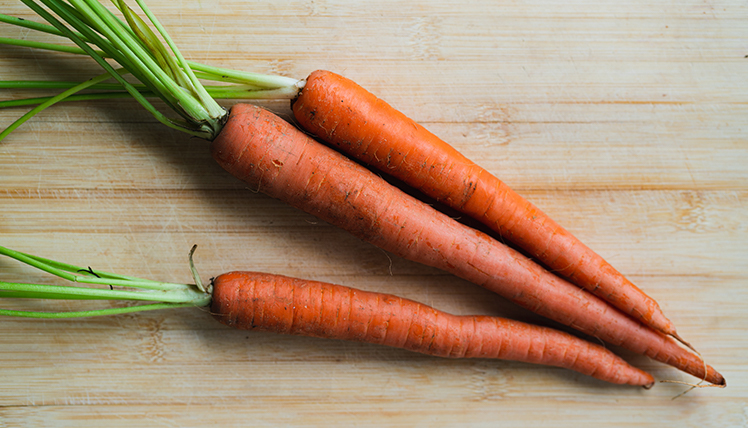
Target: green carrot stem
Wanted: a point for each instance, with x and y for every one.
(100, 20)
(197, 126)
(92, 313)
(42, 45)
(264, 80)
(47, 295)
(87, 275)
(233, 94)
(83, 293)
(63, 270)
(50, 84)
(217, 74)
(204, 132)
(52, 101)
(71, 98)
(33, 25)
(209, 103)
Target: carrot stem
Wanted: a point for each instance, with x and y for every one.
(18, 122)
(62, 9)
(86, 275)
(45, 46)
(239, 92)
(210, 104)
(101, 20)
(263, 80)
(71, 98)
(50, 84)
(163, 72)
(168, 294)
(217, 74)
(124, 48)
(92, 313)
(85, 293)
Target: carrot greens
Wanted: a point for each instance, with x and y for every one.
(253, 144)
(162, 294)
(159, 67)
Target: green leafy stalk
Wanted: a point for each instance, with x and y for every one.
(83, 293)
(217, 92)
(70, 16)
(83, 97)
(92, 313)
(125, 48)
(98, 26)
(185, 74)
(236, 76)
(132, 47)
(51, 101)
(203, 71)
(78, 274)
(51, 84)
(151, 42)
(213, 108)
(45, 46)
(166, 295)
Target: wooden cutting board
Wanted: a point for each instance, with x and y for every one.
(625, 121)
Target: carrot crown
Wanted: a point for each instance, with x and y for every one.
(161, 295)
(135, 49)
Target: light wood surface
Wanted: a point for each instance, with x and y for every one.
(626, 121)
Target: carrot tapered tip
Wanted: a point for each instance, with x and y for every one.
(722, 381)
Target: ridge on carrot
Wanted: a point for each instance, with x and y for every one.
(271, 155)
(280, 304)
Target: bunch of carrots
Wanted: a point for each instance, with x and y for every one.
(274, 157)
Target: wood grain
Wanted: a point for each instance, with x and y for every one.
(625, 121)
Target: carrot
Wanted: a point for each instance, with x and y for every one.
(344, 114)
(272, 156)
(262, 301)
(280, 304)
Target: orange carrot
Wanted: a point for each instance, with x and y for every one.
(266, 302)
(273, 157)
(353, 120)
(262, 301)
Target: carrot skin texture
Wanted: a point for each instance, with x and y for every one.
(272, 156)
(280, 304)
(342, 113)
